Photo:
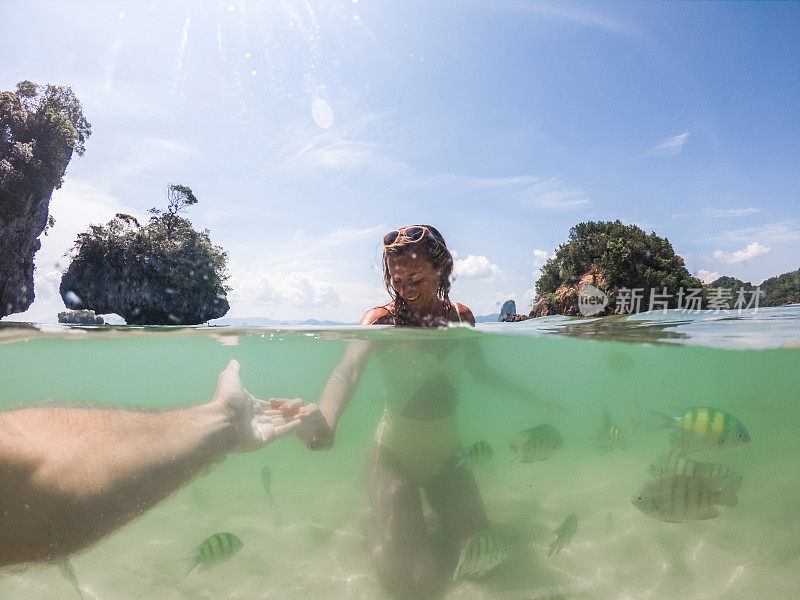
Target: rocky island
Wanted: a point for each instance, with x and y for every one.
(161, 273)
(40, 129)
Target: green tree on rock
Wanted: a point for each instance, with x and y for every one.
(615, 256)
(40, 128)
(163, 273)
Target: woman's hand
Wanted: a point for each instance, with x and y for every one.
(314, 430)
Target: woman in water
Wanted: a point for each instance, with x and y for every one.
(417, 445)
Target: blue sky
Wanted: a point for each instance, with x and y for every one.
(309, 129)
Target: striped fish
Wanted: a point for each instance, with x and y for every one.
(478, 453)
(68, 572)
(677, 498)
(482, 553)
(611, 437)
(266, 482)
(538, 443)
(705, 428)
(215, 549)
(677, 464)
(564, 534)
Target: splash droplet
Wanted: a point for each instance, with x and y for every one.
(72, 300)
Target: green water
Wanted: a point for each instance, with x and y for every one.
(311, 543)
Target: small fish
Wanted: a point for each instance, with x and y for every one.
(213, 550)
(538, 443)
(677, 498)
(611, 436)
(69, 574)
(705, 428)
(266, 481)
(482, 553)
(478, 453)
(677, 464)
(609, 523)
(564, 534)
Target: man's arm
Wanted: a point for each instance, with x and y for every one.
(70, 476)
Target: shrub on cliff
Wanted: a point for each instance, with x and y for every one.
(163, 273)
(40, 128)
(618, 256)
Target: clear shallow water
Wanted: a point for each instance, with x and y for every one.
(311, 543)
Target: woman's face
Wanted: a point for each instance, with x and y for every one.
(414, 279)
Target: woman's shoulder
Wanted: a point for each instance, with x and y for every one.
(380, 315)
(464, 313)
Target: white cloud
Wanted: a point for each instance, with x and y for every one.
(553, 193)
(299, 290)
(707, 276)
(733, 212)
(145, 153)
(779, 232)
(671, 146)
(540, 257)
(537, 192)
(753, 250)
(477, 267)
(572, 13)
(500, 298)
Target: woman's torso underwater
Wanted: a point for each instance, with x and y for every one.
(420, 383)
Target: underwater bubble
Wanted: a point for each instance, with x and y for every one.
(322, 113)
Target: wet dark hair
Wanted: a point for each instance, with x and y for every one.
(433, 248)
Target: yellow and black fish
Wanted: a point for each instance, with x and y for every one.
(677, 464)
(538, 443)
(611, 436)
(478, 453)
(704, 428)
(677, 498)
(213, 550)
(482, 553)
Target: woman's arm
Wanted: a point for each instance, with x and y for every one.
(319, 425)
(69, 476)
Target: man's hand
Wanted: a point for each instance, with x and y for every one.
(255, 423)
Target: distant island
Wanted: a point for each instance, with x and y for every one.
(775, 291)
(628, 269)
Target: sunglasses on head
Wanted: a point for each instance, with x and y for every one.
(412, 234)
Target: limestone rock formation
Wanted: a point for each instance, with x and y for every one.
(163, 273)
(40, 128)
(564, 301)
(80, 317)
